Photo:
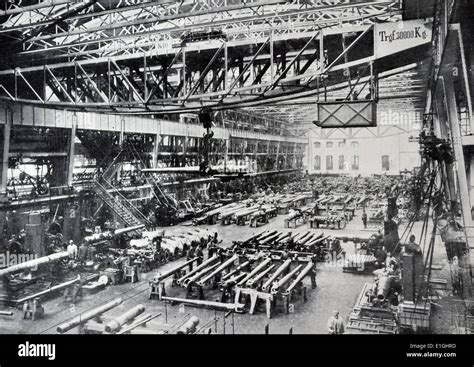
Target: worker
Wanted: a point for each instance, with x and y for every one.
(336, 324)
(82, 253)
(72, 250)
(364, 218)
(199, 255)
(370, 295)
(189, 256)
(381, 256)
(390, 260)
(412, 247)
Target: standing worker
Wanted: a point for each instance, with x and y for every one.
(189, 256)
(72, 250)
(335, 324)
(364, 218)
(199, 255)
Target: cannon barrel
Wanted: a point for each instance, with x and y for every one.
(255, 236)
(308, 236)
(282, 236)
(302, 236)
(255, 271)
(237, 307)
(138, 322)
(128, 229)
(253, 281)
(159, 277)
(198, 275)
(33, 263)
(86, 316)
(115, 324)
(221, 267)
(189, 326)
(50, 290)
(198, 268)
(270, 239)
(308, 268)
(275, 275)
(238, 268)
(383, 287)
(109, 235)
(266, 234)
(231, 281)
(280, 283)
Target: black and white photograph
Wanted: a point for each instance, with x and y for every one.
(236, 167)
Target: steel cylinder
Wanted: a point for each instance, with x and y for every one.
(115, 324)
(383, 287)
(75, 321)
(189, 326)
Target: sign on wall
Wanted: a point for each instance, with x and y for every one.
(393, 37)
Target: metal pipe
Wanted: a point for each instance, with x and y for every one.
(236, 307)
(189, 326)
(238, 268)
(300, 276)
(255, 271)
(86, 316)
(115, 324)
(34, 263)
(159, 277)
(197, 269)
(223, 266)
(251, 282)
(50, 290)
(276, 274)
(196, 276)
(285, 279)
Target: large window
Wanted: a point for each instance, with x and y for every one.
(355, 162)
(317, 162)
(341, 162)
(329, 144)
(385, 163)
(317, 144)
(329, 166)
(355, 144)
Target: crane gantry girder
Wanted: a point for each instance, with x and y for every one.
(192, 79)
(166, 56)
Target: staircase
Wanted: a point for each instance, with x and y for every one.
(129, 215)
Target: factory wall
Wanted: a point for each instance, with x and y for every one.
(364, 154)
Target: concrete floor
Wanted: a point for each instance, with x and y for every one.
(336, 290)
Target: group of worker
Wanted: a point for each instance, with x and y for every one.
(80, 254)
(196, 249)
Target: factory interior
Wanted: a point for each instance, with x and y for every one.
(236, 167)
